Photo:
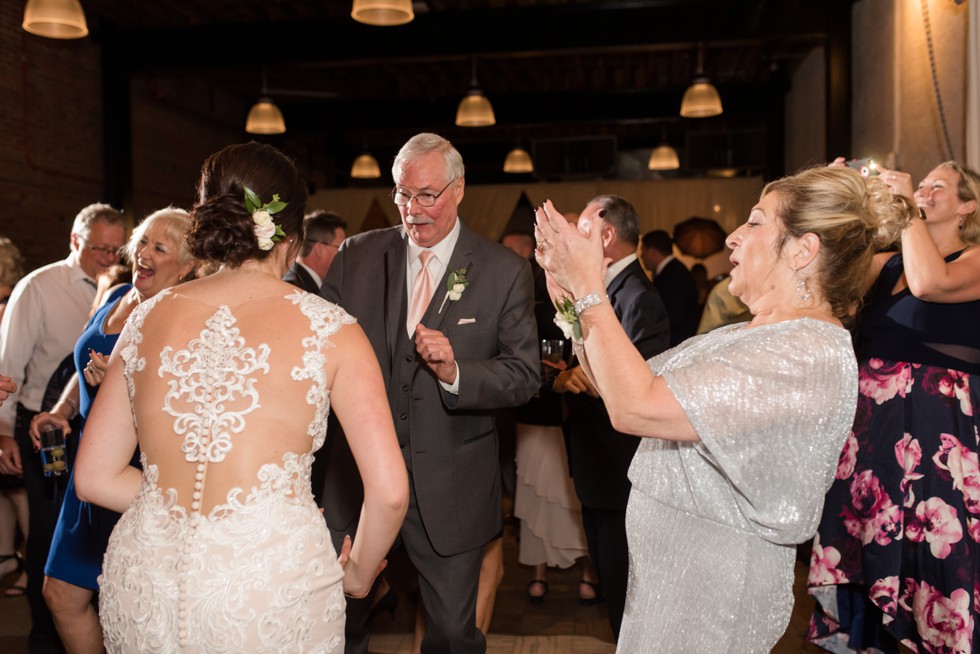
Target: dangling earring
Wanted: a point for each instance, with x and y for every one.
(802, 290)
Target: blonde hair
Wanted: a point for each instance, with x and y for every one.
(176, 224)
(967, 189)
(852, 216)
(11, 263)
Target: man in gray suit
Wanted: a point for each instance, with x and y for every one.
(472, 351)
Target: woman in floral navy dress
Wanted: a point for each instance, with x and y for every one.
(897, 556)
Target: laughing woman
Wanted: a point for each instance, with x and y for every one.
(160, 257)
(897, 556)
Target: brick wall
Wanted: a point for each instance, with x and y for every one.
(51, 152)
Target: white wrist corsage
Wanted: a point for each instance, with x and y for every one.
(567, 319)
(456, 283)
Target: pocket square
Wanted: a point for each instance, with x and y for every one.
(466, 321)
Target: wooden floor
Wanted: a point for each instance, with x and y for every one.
(558, 626)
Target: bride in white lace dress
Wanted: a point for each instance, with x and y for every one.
(226, 384)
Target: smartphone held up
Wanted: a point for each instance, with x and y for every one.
(867, 167)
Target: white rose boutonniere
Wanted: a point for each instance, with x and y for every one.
(456, 283)
(267, 232)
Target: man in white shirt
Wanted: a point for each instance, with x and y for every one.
(45, 316)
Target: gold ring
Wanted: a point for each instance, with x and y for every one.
(542, 245)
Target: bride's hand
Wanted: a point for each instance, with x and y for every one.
(354, 587)
(573, 257)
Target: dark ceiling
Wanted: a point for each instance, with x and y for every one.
(554, 70)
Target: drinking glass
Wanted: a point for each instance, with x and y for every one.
(552, 351)
(54, 458)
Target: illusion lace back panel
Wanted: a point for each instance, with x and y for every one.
(224, 549)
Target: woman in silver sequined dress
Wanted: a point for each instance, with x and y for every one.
(746, 423)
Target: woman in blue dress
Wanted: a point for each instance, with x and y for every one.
(896, 560)
(160, 258)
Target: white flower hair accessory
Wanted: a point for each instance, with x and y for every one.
(267, 232)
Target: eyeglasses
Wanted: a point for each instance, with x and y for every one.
(402, 198)
(99, 249)
(329, 245)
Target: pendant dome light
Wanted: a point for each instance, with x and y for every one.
(264, 117)
(664, 157)
(518, 161)
(701, 99)
(55, 19)
(383, 13)
(365, 167)
(475, 110)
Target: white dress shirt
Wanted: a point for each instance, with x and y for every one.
(45, 315)
(663, 264)
(442, 251)
(615, 268)
(316, 277)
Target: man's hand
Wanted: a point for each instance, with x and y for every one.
(7, 386)
(437, 353)
(10, 456)
(574, 381)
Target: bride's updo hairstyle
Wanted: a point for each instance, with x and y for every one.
(852, 216)
(223, 230)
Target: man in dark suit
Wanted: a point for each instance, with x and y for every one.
(674, 282)
(325, 232)
(473, 351)
(598, 455)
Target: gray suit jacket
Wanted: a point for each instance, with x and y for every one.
(453, 447)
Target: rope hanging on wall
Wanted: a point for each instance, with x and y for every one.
(935, 78)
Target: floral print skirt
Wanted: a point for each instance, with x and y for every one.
(896, 556)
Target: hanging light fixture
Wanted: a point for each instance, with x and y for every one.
(365, 167)
(474, 109)
(264, 117)
(518, 161)
(55, 19)
(383, 13)
(664, 157)
(701, 99)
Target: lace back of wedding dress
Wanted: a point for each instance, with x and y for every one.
(224, 549)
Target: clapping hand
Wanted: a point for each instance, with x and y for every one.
(573, 257)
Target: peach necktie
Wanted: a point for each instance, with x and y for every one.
(421, 293)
